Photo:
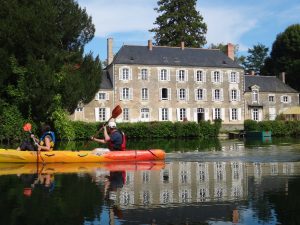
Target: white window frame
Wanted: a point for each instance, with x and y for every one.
(199, 76)
(145, 94)
(182, 94)
(255, 114)
(144, 74)
(168, 93)
(102, 114)
(182, 114)
(199, 94)
(234, 95)
(216, 76)
(164, 114)
(274, 98)
(163, 74)
(126, 94)
(145, 114)
(125, 73)
(255, 96)
(125, 114)
(285, 99)
(217, 95)
(233, 77)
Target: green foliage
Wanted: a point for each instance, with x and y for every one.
(176, 25)
(285, 56)
(11, 123)
(42, 56)
(63, 125)
(250, 125)
(256, 58)
(278, 127)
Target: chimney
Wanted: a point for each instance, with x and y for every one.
(230, 50)
(182, 45)
(282, 76)
(150, 45)
(110, 54)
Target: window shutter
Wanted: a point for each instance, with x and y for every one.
(229, 76)
(160, 114)
(221, 76)
(206, 114)
(178, 114)
(213, 94)
(237, 77)
(168, 75)
(230, 114)
(238, 95)
(212, 76)
(195, 113)
(196, 94)
(259, 115)
(204, 76)
(107, 113)
(213, 113)
(121, 94)
(195, 75)
(130, 93)
(187, 94)
(204, 95)
(170, 114)
(186, 75)
(160, 93)
(169, 93)
(97, 114)
(120, 74)
(107, 96)
(188, 114)
(239, 114)
(130, 74)
(177, 75)
(177, 94)
(223, 114)
(281, 98)
(221, 94)
(97, 96)
(230, 95)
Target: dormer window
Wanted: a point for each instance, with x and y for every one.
(255, 96)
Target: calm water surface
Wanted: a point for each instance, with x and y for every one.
(218, 182)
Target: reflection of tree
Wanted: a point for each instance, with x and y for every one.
(77, 200)
(286, 203)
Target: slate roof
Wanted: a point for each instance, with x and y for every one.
(267, 84)
(173, 56)
(106, 82)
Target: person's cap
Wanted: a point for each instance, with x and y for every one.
(112, 124)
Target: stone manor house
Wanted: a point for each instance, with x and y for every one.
(158, 83)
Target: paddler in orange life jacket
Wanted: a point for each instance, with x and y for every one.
(47, 140)
(114, 138)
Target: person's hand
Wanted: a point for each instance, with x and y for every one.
(32, 135)
(92, 138)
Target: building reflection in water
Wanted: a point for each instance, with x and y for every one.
(194, 182)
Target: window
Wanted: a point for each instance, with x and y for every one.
(217, 113)
(164, 94)
(102, 115)
(254, 96)
(101, 96)
(217, 95)
(163, 74)
(182, 94)
(182, 114)
(234, 95)
(199, 94)
(144, 93)
(125, 74)
(199, 76)
(285, 99)
(216, 76)
(255, 114)
(79, 109)
(233, 77)
(271, 98)
(125, 93)
(145, 114)
(144, 74)
(234, 114)
(125, 114)
(181, 75)
(164, 114)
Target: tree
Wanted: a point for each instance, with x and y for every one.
(42, 57)
(256, 58)
(285, 56)
(179, 21)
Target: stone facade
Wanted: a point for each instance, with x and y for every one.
(154, 83)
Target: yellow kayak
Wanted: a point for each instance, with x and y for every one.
(14, 156)
(53, 168)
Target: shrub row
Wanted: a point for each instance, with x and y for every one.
(278, 127)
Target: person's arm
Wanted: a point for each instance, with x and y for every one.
(47, 146)
(102, 141)
(106, 136)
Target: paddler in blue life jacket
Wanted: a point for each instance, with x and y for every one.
(114, 138)
(47, 140)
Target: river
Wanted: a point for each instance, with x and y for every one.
(201, 182)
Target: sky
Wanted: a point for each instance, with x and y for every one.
(242, 22)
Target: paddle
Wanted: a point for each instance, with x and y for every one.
(114, 114)
(27, 127)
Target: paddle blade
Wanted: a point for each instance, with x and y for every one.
(27, 127)
(116, 111)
